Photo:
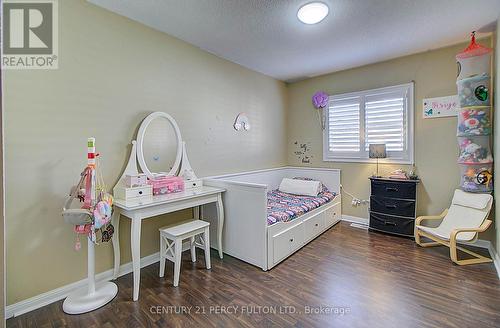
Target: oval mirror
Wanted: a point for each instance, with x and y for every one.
(159, 145)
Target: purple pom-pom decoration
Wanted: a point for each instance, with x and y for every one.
(320, 99)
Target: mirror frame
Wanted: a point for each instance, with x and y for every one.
(140, 139)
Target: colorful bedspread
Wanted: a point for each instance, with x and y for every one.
(286, 207)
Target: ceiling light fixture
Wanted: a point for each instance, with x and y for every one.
(312, 13)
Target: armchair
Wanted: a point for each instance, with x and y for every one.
(466, 217)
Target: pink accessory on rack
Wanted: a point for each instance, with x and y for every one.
(78, 244)
(166, 185)
(102, 214)
(83, 229)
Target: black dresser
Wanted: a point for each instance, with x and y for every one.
(393, 205)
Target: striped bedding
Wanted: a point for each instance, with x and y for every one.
(283, 207)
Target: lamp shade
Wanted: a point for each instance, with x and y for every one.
(377, 151)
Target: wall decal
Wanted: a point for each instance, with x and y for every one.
(303, 152)
(242, 122)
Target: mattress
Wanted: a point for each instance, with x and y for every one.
(283, 207)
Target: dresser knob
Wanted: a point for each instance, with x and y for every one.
(316, 225)
(140, 192)
(291, 240)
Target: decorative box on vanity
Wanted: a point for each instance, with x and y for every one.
(393, 205)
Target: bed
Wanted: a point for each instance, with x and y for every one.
(264, 226)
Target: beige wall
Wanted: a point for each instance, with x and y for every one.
(2, 217)
(112, 73)
(436, 149)
(496, 139)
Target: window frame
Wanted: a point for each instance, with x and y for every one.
(362, 156)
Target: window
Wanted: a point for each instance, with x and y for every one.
(356, 120)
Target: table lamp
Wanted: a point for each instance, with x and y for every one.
(377, 151)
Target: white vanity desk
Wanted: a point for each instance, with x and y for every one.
(148, 150)
(138, 210)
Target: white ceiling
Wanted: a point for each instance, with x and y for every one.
(266, 36)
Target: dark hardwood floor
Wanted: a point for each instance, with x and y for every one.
(364, 279)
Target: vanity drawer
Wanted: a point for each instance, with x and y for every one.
(285, 243)
(191, 184)
(394, 189)
(392, 206)
(392, 224)
(133, 192)
(313, 226)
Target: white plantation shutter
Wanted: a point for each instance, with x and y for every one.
(358, 119)
(385, 120)
(343, 125)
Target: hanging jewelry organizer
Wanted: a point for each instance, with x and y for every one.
(474, 118)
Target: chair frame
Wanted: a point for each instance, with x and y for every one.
(171, 249)
(452, 243)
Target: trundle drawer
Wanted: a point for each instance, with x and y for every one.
(332, 216)
(392, 224)
(404, 190)
(314, 226)
(392, 206)
(287, 242)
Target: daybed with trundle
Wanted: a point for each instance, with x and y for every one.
(264, 226)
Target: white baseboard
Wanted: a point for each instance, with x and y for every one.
(481, 243)
(496, 258)
(57, 294)
(486, 244)
(354, 219)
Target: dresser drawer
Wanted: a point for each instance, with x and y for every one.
(391, 224)
(403, 190)
(392, 206)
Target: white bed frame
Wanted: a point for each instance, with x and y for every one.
(246, 234)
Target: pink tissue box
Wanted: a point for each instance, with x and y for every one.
(167, 185)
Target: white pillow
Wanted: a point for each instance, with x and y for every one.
(467, 199)
(300, 187)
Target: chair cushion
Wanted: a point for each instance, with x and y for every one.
(459, 217)
(467, 210)
(467, 199)
(445, 235)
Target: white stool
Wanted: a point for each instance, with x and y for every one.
(171, 238)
